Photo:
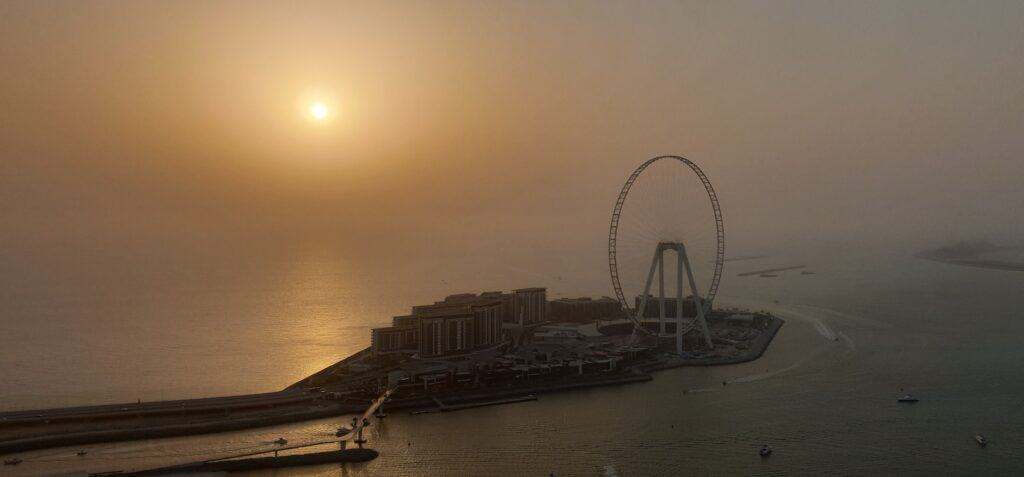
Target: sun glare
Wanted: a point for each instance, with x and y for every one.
(319, 111)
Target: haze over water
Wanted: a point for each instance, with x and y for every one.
(174, 224)
(946, 333)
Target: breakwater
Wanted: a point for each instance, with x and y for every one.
(257, 463)
(771, 270)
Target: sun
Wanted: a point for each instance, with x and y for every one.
(319, 111)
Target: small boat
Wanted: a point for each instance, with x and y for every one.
(981, 440)
(81, 453)
(907, 398)
(767, 275)
(765, 451)
(281, 441)
(14, 461)
(342, 431)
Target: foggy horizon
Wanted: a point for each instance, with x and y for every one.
(150, 122)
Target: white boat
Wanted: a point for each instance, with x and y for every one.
(981, 440)
(765, 451)
(14, 461)
(907, 398)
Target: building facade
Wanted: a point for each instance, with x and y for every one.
(487, 323)
(446, 334)
(394, 339)
(586, 309)
(404, 320)
(530, 305)
(460, 323)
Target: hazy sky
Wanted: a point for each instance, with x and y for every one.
(514, 122)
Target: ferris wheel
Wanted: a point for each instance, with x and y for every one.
(667, 204)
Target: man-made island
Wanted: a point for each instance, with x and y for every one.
(978, 255)
(463, 351)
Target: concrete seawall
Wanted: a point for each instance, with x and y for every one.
(490, 394)
(171, 430)
(312, 379)
(756, 350)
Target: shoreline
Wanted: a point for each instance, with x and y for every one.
(326, 408)
(976, 263)
(758, 349)
(47, 441)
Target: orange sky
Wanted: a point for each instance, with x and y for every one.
(461, 121)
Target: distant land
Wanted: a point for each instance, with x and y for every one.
(770, 270)
(979, 254)
(748, 257)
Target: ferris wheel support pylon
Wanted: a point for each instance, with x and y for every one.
(682, 264)
(697, 305)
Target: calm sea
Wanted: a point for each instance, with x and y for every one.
(95, 328)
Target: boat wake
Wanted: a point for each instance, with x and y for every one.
(847, 341)
(846, 317)
(759, 376)
(824, 330)
(819, 326)
(701, 390)
(768, 374)
(753, 377)
(812, 318)
(812, 314)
